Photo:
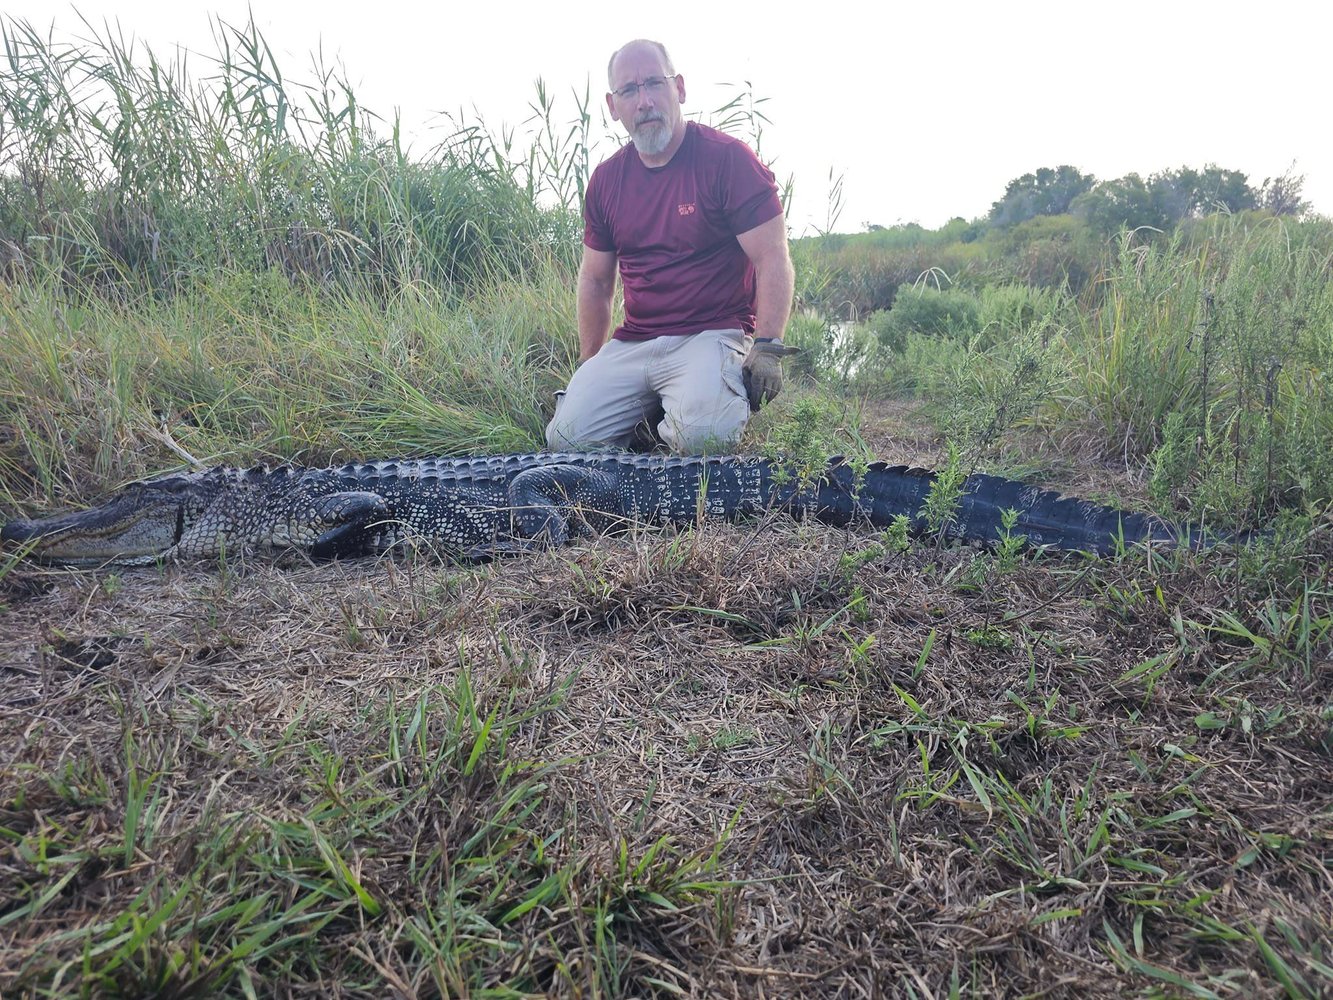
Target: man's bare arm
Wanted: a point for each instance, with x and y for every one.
(775, 280)
(597, 286)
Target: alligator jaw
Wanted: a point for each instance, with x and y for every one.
(120, 531)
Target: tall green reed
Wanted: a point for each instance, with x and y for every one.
(1208, 361)
(119, 168)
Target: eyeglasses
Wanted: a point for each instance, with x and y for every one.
(655, 85)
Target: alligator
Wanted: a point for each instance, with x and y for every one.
(476, 508)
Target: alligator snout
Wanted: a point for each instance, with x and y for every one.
(20, 531)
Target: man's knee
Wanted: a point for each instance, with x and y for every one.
(555, 438)
(566, 435)
(561, 434)
(710, 438)
(561, 437)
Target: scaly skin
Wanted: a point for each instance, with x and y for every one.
(474, 507)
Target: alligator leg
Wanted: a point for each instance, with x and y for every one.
(347, 513)
(549, 504)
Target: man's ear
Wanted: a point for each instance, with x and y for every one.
(680, 88)
(611, 106)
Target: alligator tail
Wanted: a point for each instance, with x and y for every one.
(881, 493)
(876, 494)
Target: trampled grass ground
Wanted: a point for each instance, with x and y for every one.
(752, 761)
(758, 760)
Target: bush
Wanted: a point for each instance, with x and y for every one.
(978, 393)
(1009, 311)
(1049, 251)
(854, 276)
(922, 358)
(931, 312)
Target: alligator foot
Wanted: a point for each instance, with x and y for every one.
(551, 503)
(349, 513)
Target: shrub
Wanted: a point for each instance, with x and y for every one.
(932, 312)
(979, 394)
(1007, 311)
(855, 277)
(1048, 251)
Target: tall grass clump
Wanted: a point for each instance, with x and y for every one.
(938, 329)
(251, 368)
(1209, 362)
(119, 170)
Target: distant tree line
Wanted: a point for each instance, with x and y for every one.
(1052, 228)
(1161, 201)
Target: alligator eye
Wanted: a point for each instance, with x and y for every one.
(169, 488)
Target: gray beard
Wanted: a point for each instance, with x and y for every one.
(651, 138)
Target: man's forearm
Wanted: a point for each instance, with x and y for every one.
(775, 283)
(594, 317)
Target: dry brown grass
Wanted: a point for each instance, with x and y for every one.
(834, 814)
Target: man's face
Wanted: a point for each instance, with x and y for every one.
(651, 115)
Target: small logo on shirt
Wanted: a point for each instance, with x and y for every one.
(685, 209)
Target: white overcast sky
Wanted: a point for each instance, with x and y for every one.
(925, 110)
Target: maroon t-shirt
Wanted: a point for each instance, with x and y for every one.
(673, 230)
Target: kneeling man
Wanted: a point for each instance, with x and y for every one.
(693, 223)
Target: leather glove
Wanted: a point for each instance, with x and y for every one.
(762, 371)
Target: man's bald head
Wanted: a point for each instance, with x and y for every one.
(645, 43)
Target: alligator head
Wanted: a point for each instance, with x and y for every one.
(201, 514)
(142, 523)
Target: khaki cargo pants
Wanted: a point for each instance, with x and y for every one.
(693, 382)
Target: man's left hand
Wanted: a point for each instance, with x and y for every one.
(762, 370)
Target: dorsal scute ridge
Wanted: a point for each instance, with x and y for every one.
(470, 503)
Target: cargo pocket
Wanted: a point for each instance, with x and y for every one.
(733, 357)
